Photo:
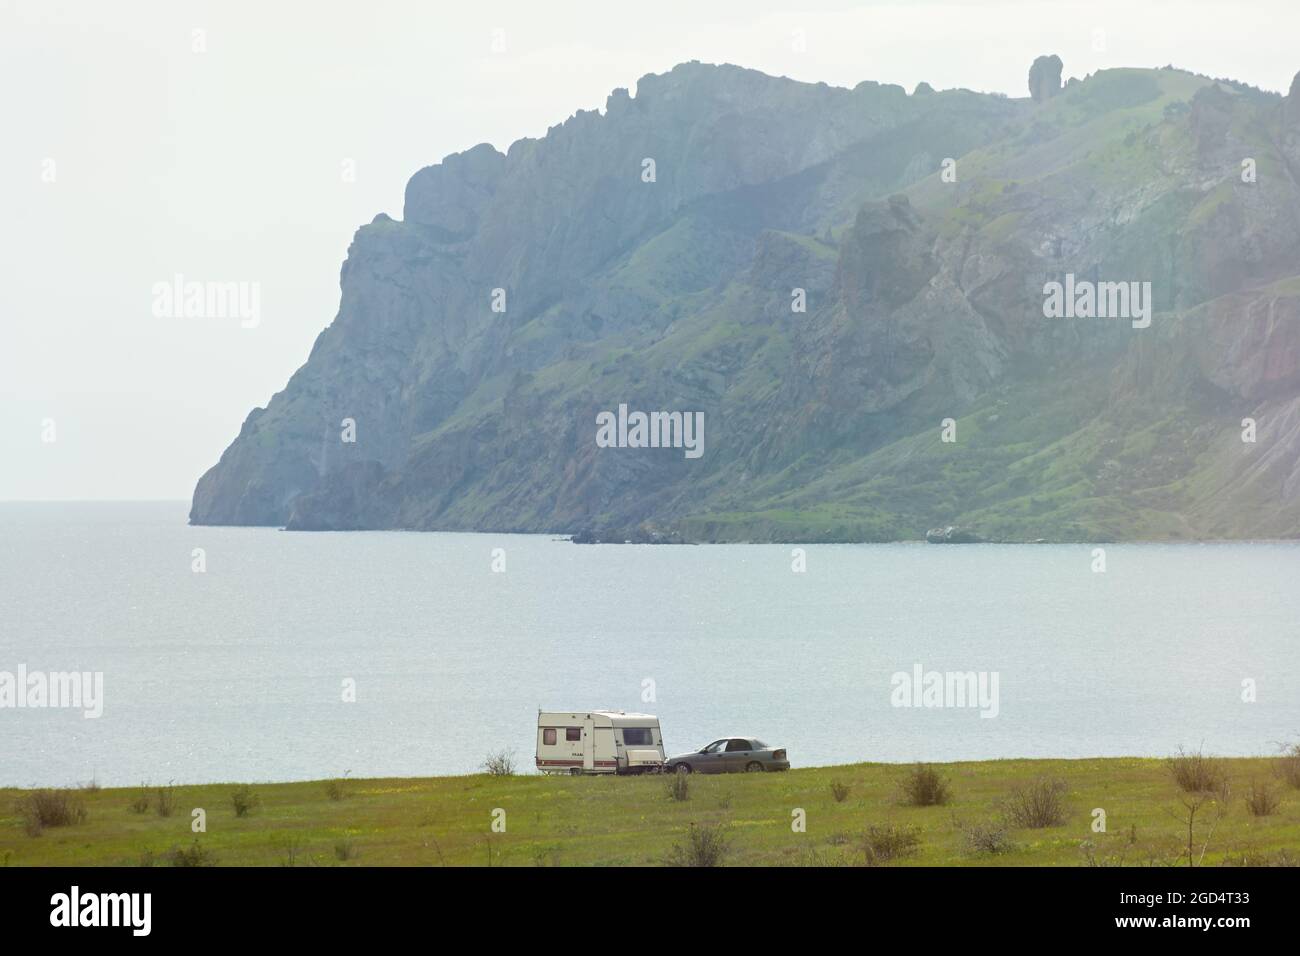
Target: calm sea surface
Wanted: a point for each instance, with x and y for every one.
(237, 673)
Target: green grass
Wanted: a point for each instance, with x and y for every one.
(616, 821)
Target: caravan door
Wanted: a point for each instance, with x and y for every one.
(588, 745)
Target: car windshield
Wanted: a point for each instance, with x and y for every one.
(759, 745)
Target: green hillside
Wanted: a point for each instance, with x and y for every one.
(605, 821)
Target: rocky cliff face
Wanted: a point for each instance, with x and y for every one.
(827, 275)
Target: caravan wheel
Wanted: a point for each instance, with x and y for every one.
(575, 771)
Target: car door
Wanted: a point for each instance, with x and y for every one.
(738, 753)
(712, 759)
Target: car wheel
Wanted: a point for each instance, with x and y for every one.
(683, 768)
(753, 767)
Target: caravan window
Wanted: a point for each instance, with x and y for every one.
(572, 733)
(637, 736)
(548, 736)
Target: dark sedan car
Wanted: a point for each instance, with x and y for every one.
(730, 755)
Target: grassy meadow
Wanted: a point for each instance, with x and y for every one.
(1003, 812)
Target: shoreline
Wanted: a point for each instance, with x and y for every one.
(568, 536)
(526, 771)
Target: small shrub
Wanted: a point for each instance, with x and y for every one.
(813, 857)
(885, 843)
(1197, 773)
(839, 791)
(1262, 800)
(140, 804)
(547, 855)
(1209, 807)
(244, 800)
(50, 808)
(706, 845)
(500, 764)
(1288, 766)
(990, 837)
(290, 848)
(1037, 805)
(196, 855)
(924, 787)
(166, 800)
(345, 850)
(334, 790)
(1091, 857)
(679, 786)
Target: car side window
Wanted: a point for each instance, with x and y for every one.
(548, 736)
(737, 744)
(716, 747)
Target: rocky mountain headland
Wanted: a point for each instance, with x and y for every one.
(848, 285)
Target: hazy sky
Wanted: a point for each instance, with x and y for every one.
(227, 164)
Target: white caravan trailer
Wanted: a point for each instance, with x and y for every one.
(598, 741)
